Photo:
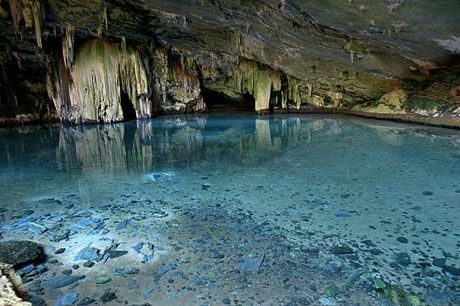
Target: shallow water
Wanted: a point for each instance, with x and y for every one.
(240, 209)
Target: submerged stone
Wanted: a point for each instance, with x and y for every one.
(61, 281)
(103, 280)
(68, 299)
(108, 296)
(341, 250)
(89, 253)
(251, 264)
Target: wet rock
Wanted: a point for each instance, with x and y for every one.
(226, 301)
(108, 296)
(341, 250)
(61, 281)
(251, 264)
(17, 252)
(68, 299)
(427, 193)
(402, 239)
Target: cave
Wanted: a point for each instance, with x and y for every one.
(219, 102)
(253, 152)
(129, 113)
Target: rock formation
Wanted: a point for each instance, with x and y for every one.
(108, 61)
(11, 287)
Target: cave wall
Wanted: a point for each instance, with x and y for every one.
(108, 61)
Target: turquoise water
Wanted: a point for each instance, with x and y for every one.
(239, 210)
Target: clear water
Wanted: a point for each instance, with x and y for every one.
(237, 209)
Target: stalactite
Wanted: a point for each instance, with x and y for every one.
(16, 13)
(93, 89)
(105, 17)
(29, 11)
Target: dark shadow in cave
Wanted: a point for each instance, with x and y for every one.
(219, 102)
(129, 113)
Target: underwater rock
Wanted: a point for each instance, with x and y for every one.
(68, 299)
(251, 264)
(88, 264)
(61, 281)
(108, 296)
(341, 250)
(17, 252)
(103, 280)
(403, 259)
(59, 251)
(122, 224)
(452, 270)
(89, 253)
(22, 214)
(116, 254)
(86, 301)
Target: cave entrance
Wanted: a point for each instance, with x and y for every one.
(219, 102)
(129, 113)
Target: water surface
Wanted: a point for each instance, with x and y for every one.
(240, 209)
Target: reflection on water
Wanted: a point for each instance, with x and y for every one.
(316, 200)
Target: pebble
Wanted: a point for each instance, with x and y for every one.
(60, 251)
(402, 239)
(88, 264)
(67, 272)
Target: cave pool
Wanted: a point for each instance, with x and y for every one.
(236, 209)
